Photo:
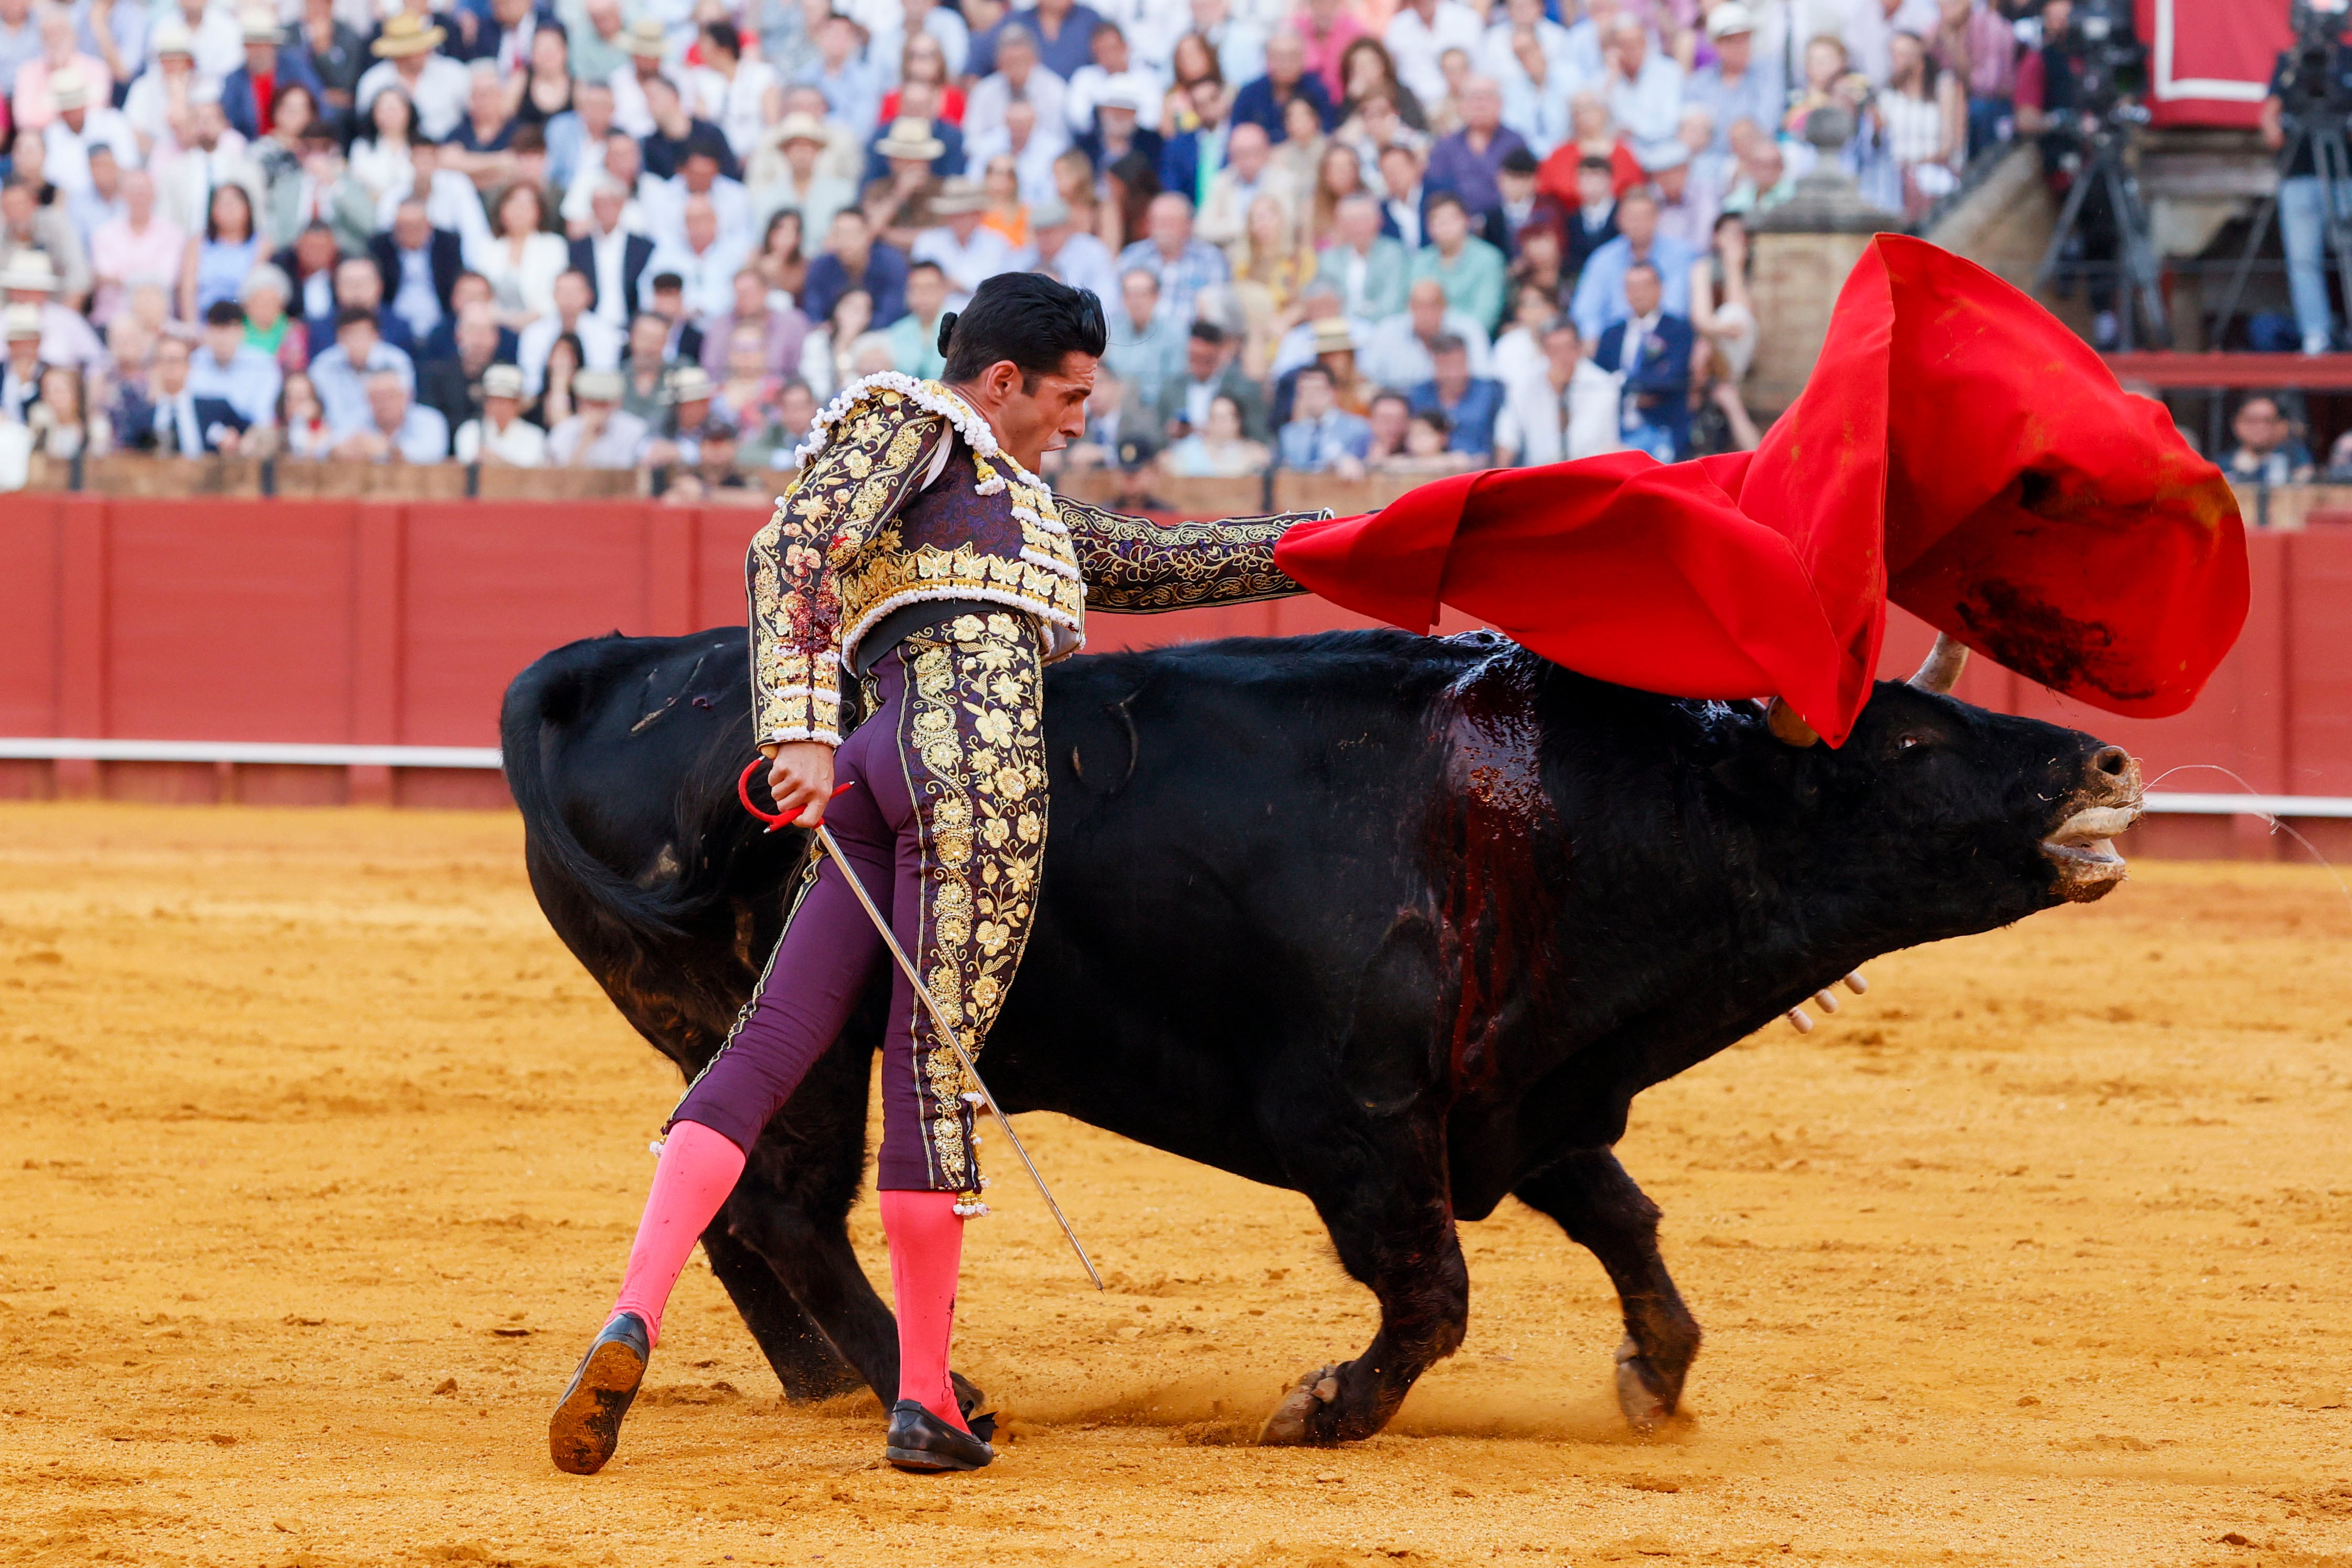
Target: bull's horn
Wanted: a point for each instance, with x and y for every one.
(1941, 667)
(1787, 726)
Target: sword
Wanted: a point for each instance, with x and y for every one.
(931, 1003)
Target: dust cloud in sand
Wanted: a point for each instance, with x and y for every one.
(322, 1157)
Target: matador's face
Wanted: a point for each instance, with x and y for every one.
(1042, 411)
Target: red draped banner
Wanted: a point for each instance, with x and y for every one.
(1957, 450)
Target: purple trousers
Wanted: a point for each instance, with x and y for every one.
(946, 826)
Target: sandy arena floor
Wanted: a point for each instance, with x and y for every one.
(323, 1157)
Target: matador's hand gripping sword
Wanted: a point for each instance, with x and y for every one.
(931, 1003)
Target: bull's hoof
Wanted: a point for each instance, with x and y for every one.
(1639, 1392)
(1293, 1421)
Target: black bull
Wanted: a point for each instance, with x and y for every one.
(1402, 924)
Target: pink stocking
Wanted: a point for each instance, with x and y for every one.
(697, 1172)
(926, 1237)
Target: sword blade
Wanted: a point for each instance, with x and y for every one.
(947, 1032)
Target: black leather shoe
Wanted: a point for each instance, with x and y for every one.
(920, 1441)
(586, 1425)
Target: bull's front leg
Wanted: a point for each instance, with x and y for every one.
(1588, 1193)
(1386, 1200)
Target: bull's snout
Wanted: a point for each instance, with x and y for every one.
(2105, 802)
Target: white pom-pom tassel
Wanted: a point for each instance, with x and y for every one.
(654, 1148)
(1828, 1000)
(1801, 1020)
(1856, 984)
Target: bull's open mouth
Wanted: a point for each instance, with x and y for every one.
(2084, 850)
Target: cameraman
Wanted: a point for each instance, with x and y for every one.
(2302, 205)
(2051, 105)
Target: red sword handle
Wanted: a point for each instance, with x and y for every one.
(774, 819)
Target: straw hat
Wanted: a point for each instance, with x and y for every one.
(645, 39)
(959, 193)
(1728, 18)
(1050, 213)
(502, 380)
(172, 38)
(260, 25)
(29, 271)
(1333, 336)
(689, 383)
(24, 321)
(407, 33)
(597, 386)
(802, 128)
(67, 88)
(911, 139)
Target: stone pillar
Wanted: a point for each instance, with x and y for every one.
(1804, 250)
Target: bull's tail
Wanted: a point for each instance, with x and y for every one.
(543, 705)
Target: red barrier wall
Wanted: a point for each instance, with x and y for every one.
(349, 622)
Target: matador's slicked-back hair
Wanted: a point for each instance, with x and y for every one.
(1024, 316)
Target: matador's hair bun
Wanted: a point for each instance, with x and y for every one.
(946, 325)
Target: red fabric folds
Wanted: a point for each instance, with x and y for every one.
(1957, 450)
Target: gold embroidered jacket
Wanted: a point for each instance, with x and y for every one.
(906, 498)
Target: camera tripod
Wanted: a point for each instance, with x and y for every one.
(2333, 164)
(2140, 278)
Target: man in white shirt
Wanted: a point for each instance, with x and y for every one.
(502, 438)
(218, 41)
(1059, 249)
(705, 260)
(78, 128)
(450, 200)
(406, 58)
(648, 46)
(1032, 147)
(967, 250)
(1644, 88)
(608, 242)
(1399, 353)
(1565, 410)
(592, 112)
(1419, 33)
(1401, 194)
(600, 340)
(1114, 70)
(1240, 41)
(396, 429)
(1018, 75)
(697, 175)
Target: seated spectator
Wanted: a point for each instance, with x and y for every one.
(1468, 163)
(1216, 448)
(1642, 86)
(67, 337)
(684, 418)
(1739, 85)
(525, 257)
(1600, 300)
(62, 423)
(20, 381)
(574, 317)
(1688, 203)
(652, 356)
(780, 260)
(766, 312)
(302, 428)
(677, 135)
(170, 419)
(1592, 221)
(500, 436)
(1923, 115)
(1527, 56)
(1428, 447)
(601, 433)
(853, 258)
(1389, 414)
(1060, 248)
(1146, 347)
(1652, 348)
(407, 59)
(704, 260)
(340, 375)
(923, 61)
(828, 360)
(1370, 270)
(1519, 350)
(1764, 181)
(396, 429)
(1402, 196)
(1721, 310)
(471, 290)
(1470, 403)
(1524, 210)
(217, 261)
(851, 84)
(748, 389)
(718, 468)
(452, 387)
(2267, 452)
(915, 336)
(554, 405)
(417, 266)
(1248, 175)
(789, 181)
(1265, 102)
(1211, 371)
(1567, 408)
(700, 174)
(1183, 265)
(966, 251)
(84, 127)
(268, 327)
(1399, 352)
(1111, 76)
(777, 445)
(225, 366)
(1467, 269)
(482, 147)
(1322, 437)
(140, 246)
(358, 286)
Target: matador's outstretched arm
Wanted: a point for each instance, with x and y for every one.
(1133, 565)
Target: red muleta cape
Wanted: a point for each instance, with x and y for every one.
(1957, 450)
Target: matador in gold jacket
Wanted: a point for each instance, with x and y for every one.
(919, 555)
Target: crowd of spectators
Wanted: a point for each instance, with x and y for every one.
(1340, 235)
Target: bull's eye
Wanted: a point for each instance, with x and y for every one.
(1910, 742)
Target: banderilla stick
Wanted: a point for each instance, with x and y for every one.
(931, 1003)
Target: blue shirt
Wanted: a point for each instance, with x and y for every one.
(248, 383)
(1600, 300)
(1756, 96)
(1454, 165)
(1197, 266)
(1473, 418)
(1312, 446)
